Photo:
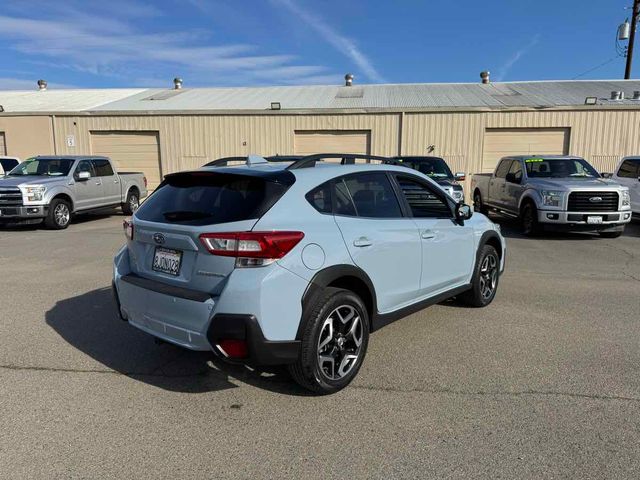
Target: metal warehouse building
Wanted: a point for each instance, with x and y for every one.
(160, 131)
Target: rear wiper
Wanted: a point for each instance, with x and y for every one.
(185, 215)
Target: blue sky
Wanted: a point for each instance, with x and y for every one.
(122, 43)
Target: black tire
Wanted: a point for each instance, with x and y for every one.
(529, 220)
(309, 371)
(478, 206)
(478, 295)
(131, 203)
(59, 214)
(610, 234)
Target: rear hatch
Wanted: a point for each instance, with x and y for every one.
(166, 244)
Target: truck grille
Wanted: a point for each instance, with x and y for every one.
(10, 197)
(588, 202)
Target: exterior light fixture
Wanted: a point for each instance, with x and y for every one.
(591, 101)
(275, 106)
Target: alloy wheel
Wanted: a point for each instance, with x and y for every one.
(339, 345)
(62, 214)
(134, 203)
(488, 276)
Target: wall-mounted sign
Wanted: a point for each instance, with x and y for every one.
(71, 140)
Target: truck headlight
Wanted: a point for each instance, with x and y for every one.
(457, 195)
(551, 198)
(626, 199)
(33, 193)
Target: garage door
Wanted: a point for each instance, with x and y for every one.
(502, 142)
(3, 145)
(332, 141)
(131, 152)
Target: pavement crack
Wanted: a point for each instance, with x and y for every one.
(511, 393)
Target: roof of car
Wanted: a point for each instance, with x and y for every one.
(317, 174)
(70, 157)
(546, 157)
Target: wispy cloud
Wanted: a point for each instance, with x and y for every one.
(8, 83)
(91, 42)
(506, 67)
(340, 42)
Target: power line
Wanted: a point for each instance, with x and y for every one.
(597, 67)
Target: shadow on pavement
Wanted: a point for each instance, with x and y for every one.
(511, 229)
(89, 322)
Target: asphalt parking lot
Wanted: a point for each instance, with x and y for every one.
(543, 383)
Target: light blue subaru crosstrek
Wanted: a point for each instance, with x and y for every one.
(276, 263)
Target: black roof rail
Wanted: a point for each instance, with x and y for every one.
(345, 159)
(222, 162)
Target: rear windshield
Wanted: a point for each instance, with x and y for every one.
(210, 198)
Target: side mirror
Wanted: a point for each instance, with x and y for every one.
(463, 212)
(606, 175)
(460, 176)
(83, 176)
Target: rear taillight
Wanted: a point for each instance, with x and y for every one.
(145, 181)
(252, 249)
(127, 225)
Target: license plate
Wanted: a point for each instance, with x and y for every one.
(167, 261)
(592, 220)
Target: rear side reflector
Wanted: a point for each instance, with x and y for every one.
(127, 225)
(234, 348)
(251, 245)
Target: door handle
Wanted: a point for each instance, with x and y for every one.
(362, 242)
(115, 181)
(428, 234)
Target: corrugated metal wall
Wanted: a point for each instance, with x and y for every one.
(187, 141)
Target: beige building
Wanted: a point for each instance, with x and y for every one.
(159, 131)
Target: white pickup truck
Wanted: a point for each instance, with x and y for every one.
(53, 188)
(555, 193)
(628, 174)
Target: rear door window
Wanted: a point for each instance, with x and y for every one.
(102, 167)
(203, 198)
(373, 195)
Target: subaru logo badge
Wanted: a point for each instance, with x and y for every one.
(595, 199)
(158, 238)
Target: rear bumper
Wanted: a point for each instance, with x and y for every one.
(221, 327)
(22, 212)
(199, 321)
(562, 220)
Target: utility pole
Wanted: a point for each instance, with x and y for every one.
(632, 37)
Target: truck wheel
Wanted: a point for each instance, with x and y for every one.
(334, 342)
(477, 203)
(59, 215)
(529, 219)
(484, 282)
(131, 204)
(610, 234)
